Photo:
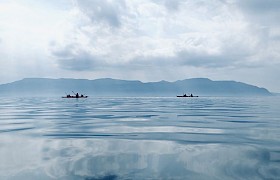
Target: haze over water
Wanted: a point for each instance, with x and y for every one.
(140, 138)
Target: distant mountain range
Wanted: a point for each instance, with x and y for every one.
(114, 87)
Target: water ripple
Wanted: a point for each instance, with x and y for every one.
(140, 138)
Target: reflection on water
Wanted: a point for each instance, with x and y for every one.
(140, 138)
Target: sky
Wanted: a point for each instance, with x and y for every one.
(147, 40)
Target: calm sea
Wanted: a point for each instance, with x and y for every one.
(140, 138)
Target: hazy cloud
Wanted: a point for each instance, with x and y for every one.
(71, 57)
(204, 60)
(79, 62)
(170, 5)
(260, 6)
(189, 58)
(208, 34)
(264, 13)
(105, 11)
(151, 32)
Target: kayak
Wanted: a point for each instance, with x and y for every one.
(74, 97)
(187, 96)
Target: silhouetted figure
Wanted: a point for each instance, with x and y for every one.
(191, 95)
(82, 95)
(77, 95)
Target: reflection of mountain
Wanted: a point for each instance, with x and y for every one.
(113, 87)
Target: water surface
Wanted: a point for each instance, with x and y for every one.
(140, 138)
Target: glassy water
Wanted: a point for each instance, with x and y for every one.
(140, 138)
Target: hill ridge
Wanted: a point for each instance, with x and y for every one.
(118, 87)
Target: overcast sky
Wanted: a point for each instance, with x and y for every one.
(147, 40)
